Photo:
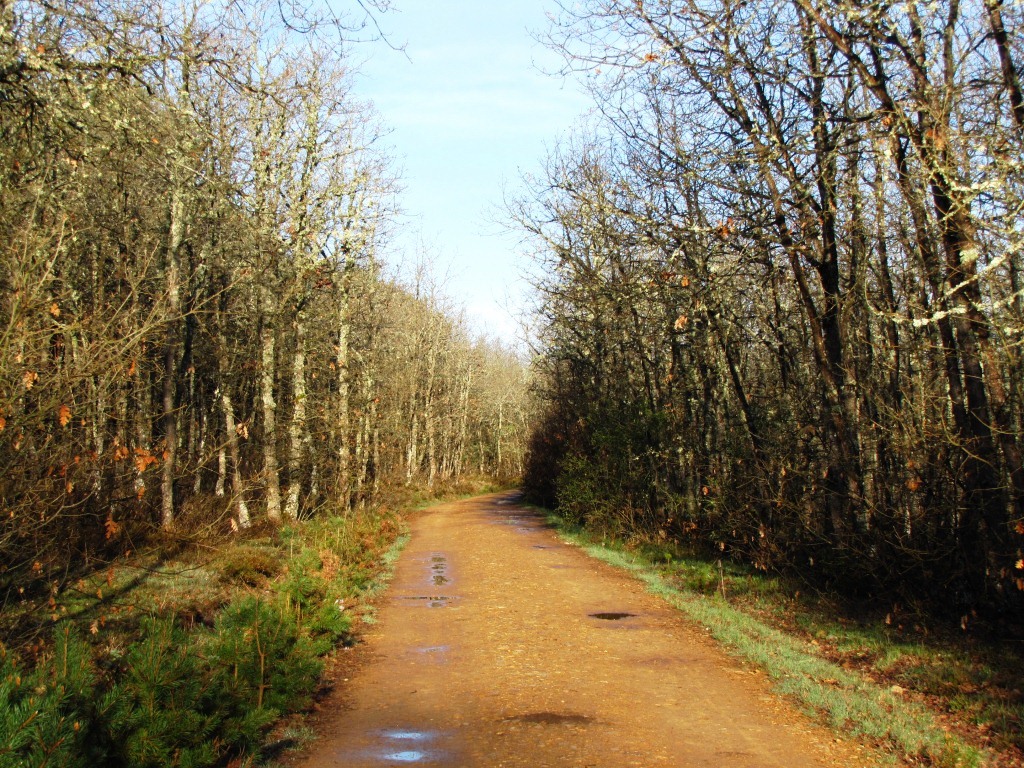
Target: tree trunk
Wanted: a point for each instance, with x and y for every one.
(237, 486)
(343, 419)
(271, 471)
(297, 428)
(170, 416)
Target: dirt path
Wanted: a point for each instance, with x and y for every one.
(500, 646)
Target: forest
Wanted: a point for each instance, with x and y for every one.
(780, 290)
(778, 324)
(215, 389)
(193, 312)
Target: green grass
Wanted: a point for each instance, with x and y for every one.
(300, 587)
(807, 652)
(368, 611)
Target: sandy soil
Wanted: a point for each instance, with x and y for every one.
(500, 646)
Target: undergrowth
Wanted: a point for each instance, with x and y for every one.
(186, 660)
(465, 487)
(920, 699)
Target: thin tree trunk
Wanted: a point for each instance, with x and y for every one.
(463, 420)
(297, 428)
(343, 421)
(237, 486)
(271, 471)
(170, 416)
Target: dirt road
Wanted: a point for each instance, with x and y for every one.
(500, 646)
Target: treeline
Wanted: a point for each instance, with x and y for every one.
(781, 289)
(192, 312)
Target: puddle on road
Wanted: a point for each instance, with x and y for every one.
(408, 756)
(407, 746)
(439, 569)
(406, 735)
(612, 616)
(434, 649)
(434, 601)
(552, 718)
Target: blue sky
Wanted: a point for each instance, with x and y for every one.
(469, 109)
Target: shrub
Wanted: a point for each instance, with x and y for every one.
(267, 662)
(250, 566)
(163, 712)
(329, 625)
(41, 718)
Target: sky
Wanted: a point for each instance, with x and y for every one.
(470, 109)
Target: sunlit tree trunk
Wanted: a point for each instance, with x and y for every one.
(297, 428)
(268, 405)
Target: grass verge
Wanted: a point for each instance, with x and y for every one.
(918, 700)
(189, 653)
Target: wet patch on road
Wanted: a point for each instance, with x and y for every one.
(551, 718)
(433, 601)
(407, 747)
(439, 569)
(433, 649)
